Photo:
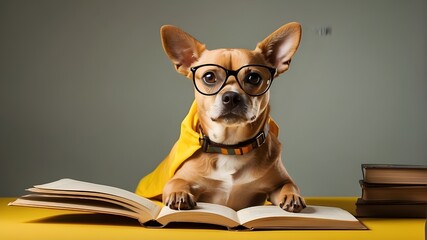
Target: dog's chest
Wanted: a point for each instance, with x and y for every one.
(226, 169)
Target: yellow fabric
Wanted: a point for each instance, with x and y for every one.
(43, 224)
(188, 143)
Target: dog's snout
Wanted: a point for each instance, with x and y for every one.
(231, 99)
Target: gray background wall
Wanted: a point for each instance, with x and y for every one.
(86, 91)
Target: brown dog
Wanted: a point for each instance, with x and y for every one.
(232, 95)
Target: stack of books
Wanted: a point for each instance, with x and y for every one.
(393, 191)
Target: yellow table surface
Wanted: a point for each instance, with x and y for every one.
(34, 223)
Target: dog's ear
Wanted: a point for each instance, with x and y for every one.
(181, 48)
(280, 46)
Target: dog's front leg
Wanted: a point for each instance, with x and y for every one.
(288, 198)
(177, 195)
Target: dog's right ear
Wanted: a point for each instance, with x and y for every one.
(281, 45)
(181, 48)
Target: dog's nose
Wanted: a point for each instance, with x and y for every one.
(231, 99)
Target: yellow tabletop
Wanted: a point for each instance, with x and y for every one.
(33, 223)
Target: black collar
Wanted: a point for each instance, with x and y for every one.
(241, 148)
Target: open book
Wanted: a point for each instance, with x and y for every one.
(76, 195)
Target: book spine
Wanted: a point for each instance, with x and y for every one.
(387, 209)
(409, 193)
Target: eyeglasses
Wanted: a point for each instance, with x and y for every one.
(255, 80)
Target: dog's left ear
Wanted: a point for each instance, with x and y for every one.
(281, 45)
(181, 48)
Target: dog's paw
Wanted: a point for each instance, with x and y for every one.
(292, 202)
(180, 201)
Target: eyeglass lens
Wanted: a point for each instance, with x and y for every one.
(254, 80)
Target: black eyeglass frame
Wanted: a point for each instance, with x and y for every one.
(233, 73)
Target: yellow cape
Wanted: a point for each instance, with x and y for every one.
(152, 185)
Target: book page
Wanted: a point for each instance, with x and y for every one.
(319, 212)
(80, 186)
(203, 213)
(86, 200)
(35, 201)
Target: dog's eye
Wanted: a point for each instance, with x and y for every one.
(253, 78)
(209, 78)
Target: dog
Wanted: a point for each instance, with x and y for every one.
(239, 164)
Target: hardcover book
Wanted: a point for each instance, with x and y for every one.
(391, 209)
(394, 174)
(395, 192)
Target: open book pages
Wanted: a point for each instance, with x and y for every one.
(102, 192)
(265, 217)
(312, 217)
(203, 213)
(75, 195)
(80, 186)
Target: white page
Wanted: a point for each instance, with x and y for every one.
(74, 185)
(252, 213)
(203, 210)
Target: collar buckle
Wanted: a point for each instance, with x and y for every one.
(203, 140)
(260, 139)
